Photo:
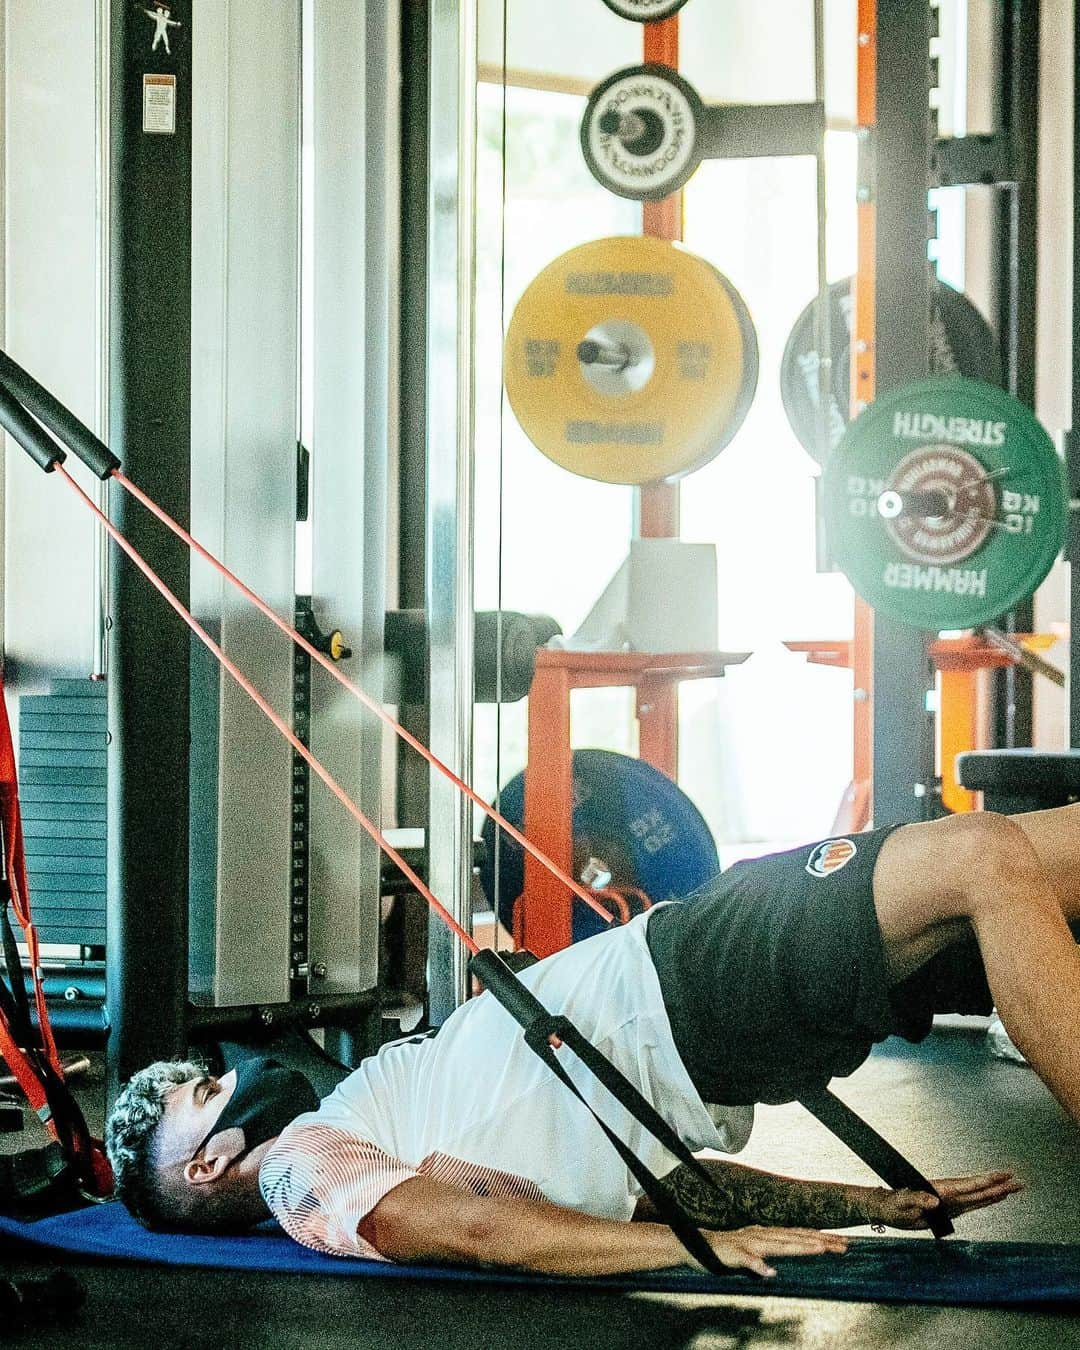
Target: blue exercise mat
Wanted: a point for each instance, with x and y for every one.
(874, 1270)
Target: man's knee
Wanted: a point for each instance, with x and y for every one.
(989, 861)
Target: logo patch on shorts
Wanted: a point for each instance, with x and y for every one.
(829, 856)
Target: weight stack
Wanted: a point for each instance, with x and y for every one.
(62, 789)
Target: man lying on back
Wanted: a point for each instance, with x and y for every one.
(782, 974)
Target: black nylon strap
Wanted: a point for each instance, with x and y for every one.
(539, 1025)
(672, 1214)
(878, 1154)
(8, 1010)
(14, 1000)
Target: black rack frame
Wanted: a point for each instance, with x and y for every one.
(1006, 160)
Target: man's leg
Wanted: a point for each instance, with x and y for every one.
(1055, 836)
(1013, 881)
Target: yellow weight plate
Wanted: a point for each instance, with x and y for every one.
(625, 361)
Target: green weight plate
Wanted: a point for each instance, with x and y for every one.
(978, 458)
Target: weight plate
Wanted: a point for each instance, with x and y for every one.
(751, 368)
(631, 819)
(945, 503)
(748, 384)
(640, 132)
(961, 343)
(625, 360)
(645, 11)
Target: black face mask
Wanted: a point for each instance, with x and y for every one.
(266, 1098)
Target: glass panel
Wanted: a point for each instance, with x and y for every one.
(766, 753)
(546, 542)
(575, 41)
(730, 55)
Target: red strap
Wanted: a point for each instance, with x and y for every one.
(57, 1109)
(15, 870)
(19, 1064)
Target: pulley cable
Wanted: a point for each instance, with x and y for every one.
(371, 704)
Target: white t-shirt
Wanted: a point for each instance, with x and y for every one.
(475, 1105)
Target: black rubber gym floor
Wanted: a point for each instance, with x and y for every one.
(947, 1103)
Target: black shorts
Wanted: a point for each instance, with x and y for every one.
(774, 975)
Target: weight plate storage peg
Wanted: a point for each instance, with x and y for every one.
(961, 343)
(645, 11)
(640, 132)
(630, 360)
(945, 503)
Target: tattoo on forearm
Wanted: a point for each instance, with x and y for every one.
(740, 1196)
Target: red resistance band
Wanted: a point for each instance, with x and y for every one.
(32, 1056)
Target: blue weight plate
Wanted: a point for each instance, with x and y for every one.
(627, 815)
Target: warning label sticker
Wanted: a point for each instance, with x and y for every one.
(159, 105)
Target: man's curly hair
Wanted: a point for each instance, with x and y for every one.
(132, 1143)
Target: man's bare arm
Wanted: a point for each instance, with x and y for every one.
(428, 1220)
(743, 1195)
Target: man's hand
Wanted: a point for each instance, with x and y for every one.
(909, 1209)
(747, 1248)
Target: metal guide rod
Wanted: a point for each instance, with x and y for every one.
(1072, 450)
(823, 307)
(1017, 116)
(450, 355)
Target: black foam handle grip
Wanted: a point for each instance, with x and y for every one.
(33, 437)
(495, 975)
(63, 423)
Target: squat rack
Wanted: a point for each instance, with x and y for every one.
(896, 75)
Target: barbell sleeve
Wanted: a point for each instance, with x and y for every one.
(592, 352)
(930, 502)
